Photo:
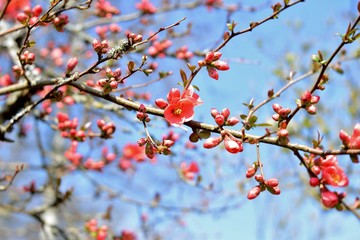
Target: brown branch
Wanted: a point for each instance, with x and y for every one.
(322, 72)
(208, 127)
(17, 170)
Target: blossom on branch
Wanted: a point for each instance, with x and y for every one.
(180, 107)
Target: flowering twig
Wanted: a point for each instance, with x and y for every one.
(17, 170)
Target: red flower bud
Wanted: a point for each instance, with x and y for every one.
(232, 146)
(161, 103)
(329, 199)
(220, 120)
(276, 107)
(272, 182)
(314, 182)
(212, 142)
(225, 112)
(253, 193)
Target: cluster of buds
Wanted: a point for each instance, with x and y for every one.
(231, 144)
(281, 113)
(27, 57)
(158, 49)
(17, 71)
(133, 38)
(31, 188)
(107, 129)
(213, 64)
(29, 16)
(111, 81)
(102, 31)
(142, 115)
(72, 155)
(127, 235)
(90, 164)
(68, 127)
(189, 171)
(146, 7)
(60, 22)
(271, 185)
(105, 9)
(100, 47)
(326, 171)
(106, 158)
(97, 232)
(132, 152)
(222, 118)
(352, 142)
(183, 53)
(308, 102)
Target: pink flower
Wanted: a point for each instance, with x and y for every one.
(355, 138)
(189, 170)
(146, 7)
(134, 151)
(14, 7)
(335, 176)
(192, 96)
(181, 106)
(329, 199)
(179, 112)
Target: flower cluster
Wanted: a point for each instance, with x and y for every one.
(146, 7)
(29, 16)
(14, 7)
(331, 174)
(97, 232)
(308, 102)
(231, 144)
(100, 47)
(271, 185)
(213, 64)
(68, 127)
(111, 81)
(27, 57)
(131, 152)
(105, 9)
(352, 142)
(188, 171)
(72, 155)
(222, 118)
(158, 48)
(107, 129)
(60, 22)
(179, 107)
(183, 53)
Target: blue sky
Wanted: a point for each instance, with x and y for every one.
(293, 214)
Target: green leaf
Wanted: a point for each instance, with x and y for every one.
(204, 134)
(131, 66)
(253, 119)
(191, 67)
(196, 87)
(183, 76)
(263, 125)
(243, 116)
(286, 2)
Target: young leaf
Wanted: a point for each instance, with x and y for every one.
(183, 76)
